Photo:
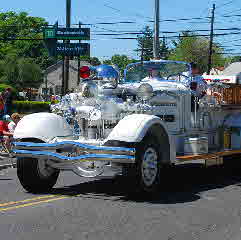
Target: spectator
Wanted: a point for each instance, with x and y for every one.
(8, 101)
(1, 106)
(4, 131)
(52, 99)
(15, 119)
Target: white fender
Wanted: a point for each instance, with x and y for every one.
(43, 126)
(133, 128)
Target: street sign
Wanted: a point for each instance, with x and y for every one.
(73, 33)
(67, 33)
(49, 33)
(53, 34)
(73, 49)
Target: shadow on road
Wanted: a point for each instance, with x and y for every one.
(181, 184)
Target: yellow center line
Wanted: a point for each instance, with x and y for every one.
(34, 203)
(26, 200)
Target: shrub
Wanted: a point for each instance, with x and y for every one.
(30, 106)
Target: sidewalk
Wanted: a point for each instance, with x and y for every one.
(6, 162)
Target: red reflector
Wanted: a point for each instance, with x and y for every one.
(193, 86)
(84, 72)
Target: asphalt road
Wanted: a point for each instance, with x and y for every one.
(195, 204)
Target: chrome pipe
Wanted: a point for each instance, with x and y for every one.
(58, 158)
(79, 146)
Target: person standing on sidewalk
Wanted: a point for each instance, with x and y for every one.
(1, 106)
(8, 101)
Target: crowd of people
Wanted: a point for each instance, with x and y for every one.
(7, 122)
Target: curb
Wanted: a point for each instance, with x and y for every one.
(5, 166)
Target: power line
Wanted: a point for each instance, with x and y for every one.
(104, 30)
(234, 40)
(127, 38)
(118, 10)
(225, 4)
(237, 10)
(121, 22)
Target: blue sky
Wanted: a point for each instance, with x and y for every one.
(139, 11)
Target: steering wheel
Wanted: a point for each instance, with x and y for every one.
(177, 74)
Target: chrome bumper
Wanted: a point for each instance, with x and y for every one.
(81, 152)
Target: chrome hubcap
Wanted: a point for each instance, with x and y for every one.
(89, 169)
(149, 166)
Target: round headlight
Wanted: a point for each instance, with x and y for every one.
(145, 91)
(95, 115)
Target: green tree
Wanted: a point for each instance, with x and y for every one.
(119, 60)
(21, 73)
(164, 49)
(94, 61)
(233, 59)
(30, 74)
(9, 70)
(191, 48)
(21, 25)
(145, 45)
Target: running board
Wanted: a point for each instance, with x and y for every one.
(210, 159)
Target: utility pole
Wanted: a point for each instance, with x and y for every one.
(211, 41)
(66, 60)
(78, 76)
(156, 30)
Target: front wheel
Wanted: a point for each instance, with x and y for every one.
(35, 175)
(146, 173)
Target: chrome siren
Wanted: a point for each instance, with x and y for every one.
(108, 76)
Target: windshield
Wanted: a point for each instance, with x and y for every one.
(173, 71)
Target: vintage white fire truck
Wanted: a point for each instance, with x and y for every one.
(150, 119)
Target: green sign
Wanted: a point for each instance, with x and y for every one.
(53, 34)
(49, 33)
(67, 33)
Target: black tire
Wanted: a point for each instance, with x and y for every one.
(134, 173)
(31, 178)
